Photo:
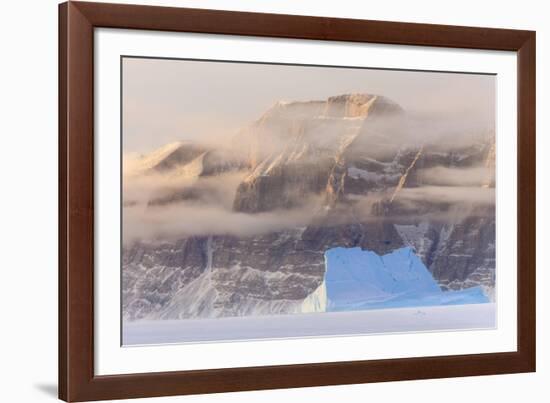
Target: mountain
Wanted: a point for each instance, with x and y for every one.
(300, 148)
(351, 171)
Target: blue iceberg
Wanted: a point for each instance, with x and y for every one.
(357, 279)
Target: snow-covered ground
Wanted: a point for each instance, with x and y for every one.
(362, 293)
(432, 318)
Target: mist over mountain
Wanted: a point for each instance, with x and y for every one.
(240, 227)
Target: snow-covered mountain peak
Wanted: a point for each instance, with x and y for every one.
(167, 157)
(353, 105)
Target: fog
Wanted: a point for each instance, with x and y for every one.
(167, 100)
(213, 214)
(450, 194)
(220, 105)
(219, 189)
(443, 176)
(188, 219)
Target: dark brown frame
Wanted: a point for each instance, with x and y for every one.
(77, 21)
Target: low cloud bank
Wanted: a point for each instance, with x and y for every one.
(180, 219)
(463, 177)
(450, 194)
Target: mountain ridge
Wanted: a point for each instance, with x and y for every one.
(355, 165)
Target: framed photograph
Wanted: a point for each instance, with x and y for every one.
(255, 201)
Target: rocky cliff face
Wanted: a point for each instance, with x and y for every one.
(351, 164)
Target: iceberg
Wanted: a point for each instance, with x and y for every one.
(358, 279)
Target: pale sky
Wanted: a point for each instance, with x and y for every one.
(170, 100)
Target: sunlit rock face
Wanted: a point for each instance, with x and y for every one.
(300, 149)
(306, 177)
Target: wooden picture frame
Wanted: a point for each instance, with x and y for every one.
(77, 381)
